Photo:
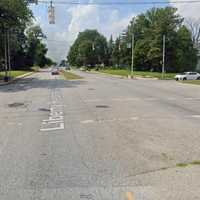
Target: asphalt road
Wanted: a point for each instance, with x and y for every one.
(99, 138)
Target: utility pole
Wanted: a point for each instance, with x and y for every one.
(132, 63)
(51, 13)
(163, 61)
(9, 62)
(6, 55)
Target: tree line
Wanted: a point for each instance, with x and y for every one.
(91, 48)
(25, 38)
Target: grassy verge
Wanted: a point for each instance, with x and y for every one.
(195, 162)
(70, 75)
(195, 82)
(123, 72)
(14, 74)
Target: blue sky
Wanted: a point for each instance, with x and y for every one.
(71, 19)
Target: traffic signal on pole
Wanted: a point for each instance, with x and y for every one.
(51, 13)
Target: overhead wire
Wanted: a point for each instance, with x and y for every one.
(120, 2)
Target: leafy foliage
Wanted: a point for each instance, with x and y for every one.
(89, 49)
(148, 29)
(26, 43)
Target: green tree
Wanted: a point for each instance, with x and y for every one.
(186, 58)
(110, 50)
(148, 30)
(89, 49)
(36, 50)
(116, 54)
(15, 16)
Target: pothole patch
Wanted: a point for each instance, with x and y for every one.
(44, 109)
(102, 106)
(16, 105)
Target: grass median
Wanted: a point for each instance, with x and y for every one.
(194, 82)
(143, 74)
(71, 76)
(14, 74)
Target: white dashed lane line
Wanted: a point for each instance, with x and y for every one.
(144, 99)
(91, 121)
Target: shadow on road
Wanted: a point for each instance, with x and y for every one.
(29, 83)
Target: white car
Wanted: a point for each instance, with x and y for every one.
(187, 76)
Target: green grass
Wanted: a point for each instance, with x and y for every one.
(195, 82)
(14, 74)
(195, 162)
(182, 164)
(70, 75)
(123, 72)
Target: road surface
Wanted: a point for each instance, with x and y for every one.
(99, 138)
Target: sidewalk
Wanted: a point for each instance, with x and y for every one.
(2, 83)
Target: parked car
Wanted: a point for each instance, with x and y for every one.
(187, 76)
(55, 71)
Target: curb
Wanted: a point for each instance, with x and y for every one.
(124, 77)
(106, 74)
(16, 79)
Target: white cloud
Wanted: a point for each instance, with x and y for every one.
(116, 24)
(74, 19)
(188, 10)
(83, 17)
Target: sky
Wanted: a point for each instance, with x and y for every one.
(108, 20)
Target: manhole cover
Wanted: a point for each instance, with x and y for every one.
(102, 106)
(44, 109)
(15, 105)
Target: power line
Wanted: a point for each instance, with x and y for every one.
(121, 2)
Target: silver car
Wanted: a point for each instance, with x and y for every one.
(187, 76)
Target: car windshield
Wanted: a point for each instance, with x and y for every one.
(97, 99)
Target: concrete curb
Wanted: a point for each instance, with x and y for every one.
(124, 77)
(16, 79)
(112, 75)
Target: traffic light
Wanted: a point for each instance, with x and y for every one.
(51, 12)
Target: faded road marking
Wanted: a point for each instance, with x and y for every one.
(134, 118)
(87, 121)
(195, 116)
(90, 121)
(60, 127)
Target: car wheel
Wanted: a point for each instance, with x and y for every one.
(176, 79)
(198, 78)
(184, 79)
